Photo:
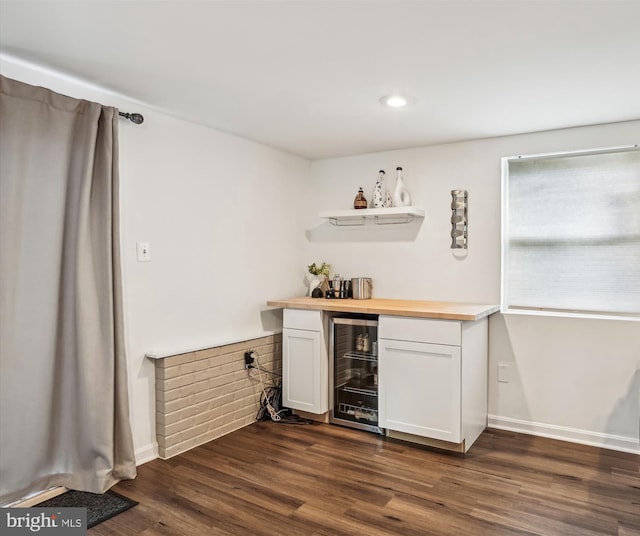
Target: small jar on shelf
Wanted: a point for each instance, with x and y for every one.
(360, 201)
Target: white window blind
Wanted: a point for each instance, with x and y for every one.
(571, 233)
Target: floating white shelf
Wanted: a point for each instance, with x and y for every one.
(379, 216)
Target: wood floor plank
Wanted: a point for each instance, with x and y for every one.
(421, 516)
(272, 479)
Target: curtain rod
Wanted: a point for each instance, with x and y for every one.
(134, 118)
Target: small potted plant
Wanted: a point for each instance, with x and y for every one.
(317, 275)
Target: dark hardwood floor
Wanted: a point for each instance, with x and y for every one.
(283, 479)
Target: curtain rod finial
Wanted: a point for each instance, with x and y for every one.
(134, 118)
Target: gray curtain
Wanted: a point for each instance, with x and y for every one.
(64, 410)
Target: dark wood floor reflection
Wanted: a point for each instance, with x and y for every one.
(283, 479)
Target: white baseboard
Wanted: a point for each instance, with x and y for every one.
(146, 454)
(584, 437)
(37, 498)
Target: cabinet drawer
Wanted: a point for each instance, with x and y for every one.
(427, 330)
(301, 319)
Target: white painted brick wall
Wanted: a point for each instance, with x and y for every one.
(206, 394)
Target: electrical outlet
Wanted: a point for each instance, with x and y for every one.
(248, 359)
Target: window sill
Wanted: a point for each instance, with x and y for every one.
(570, 314)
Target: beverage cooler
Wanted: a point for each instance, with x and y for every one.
(353, 373)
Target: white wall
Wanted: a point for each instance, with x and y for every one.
(573, 378)
(223, 216)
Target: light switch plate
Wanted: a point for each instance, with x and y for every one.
(143, 249)
(503, 372)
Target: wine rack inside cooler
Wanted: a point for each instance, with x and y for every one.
(354, 372)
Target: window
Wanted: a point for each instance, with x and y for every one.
(571, 233)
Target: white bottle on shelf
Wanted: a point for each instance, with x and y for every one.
(378, 196)
(401, 197)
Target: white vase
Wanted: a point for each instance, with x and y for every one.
(401, 197)
(378, 201)
(314, 281)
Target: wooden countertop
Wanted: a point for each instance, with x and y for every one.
(415, 308)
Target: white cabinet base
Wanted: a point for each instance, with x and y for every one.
(305, 367)
(433, 394)
(432, 375)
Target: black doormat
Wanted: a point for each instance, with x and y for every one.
(100, 506)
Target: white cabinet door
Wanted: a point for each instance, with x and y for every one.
(304, 371)
(419, 389)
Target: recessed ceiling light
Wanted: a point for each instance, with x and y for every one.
(394, 101)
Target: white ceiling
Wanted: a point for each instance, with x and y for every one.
(306, 76)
